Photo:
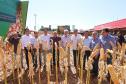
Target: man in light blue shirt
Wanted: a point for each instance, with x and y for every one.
(86, 42)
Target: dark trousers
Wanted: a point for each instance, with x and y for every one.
(55, 57)
(109, 60)
(75, 55)
(86, 56)
(40, 58)
(26, 55)
(95, 65)
(34, 57)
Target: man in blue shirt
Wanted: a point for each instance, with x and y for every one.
(107, 42)
(94, 41)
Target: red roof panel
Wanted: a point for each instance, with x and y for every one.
(112, 25)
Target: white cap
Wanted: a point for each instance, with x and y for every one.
(65, 30)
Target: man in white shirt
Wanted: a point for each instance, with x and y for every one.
(35, 46)
(45, 44)
(25, 40)
(86, 42)
(75, 38)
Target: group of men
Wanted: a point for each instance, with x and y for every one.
(43, 43)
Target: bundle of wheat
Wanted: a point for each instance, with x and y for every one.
(3, 62)
(20, 70)
(113, 74)
(102, 66)
(48, 60)
(31, 68)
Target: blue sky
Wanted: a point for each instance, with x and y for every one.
(83, 13)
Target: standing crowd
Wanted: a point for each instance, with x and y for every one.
(44, 43)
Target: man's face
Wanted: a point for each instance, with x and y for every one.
(86, 34)
(104, 33)
(66, 33)
(36, 34)
(75, 32)
(15, 35)
(94, 35)
(55, 33)
(27, 32)
(45, 32)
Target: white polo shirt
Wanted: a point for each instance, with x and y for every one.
(75, 40)
(25, 40)
(45, 40)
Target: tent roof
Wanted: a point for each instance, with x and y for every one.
(119, 24)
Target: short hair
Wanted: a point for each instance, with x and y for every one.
(106, 30)
(45, 29)
(75, 30)
(26, 29)
(85, 32)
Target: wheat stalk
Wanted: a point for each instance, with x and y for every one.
(3, 62)
(31, 69)
(113, 74)
(48, 60)
(56, 63)
(101, 66)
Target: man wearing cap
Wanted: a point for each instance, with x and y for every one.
(65, 38)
